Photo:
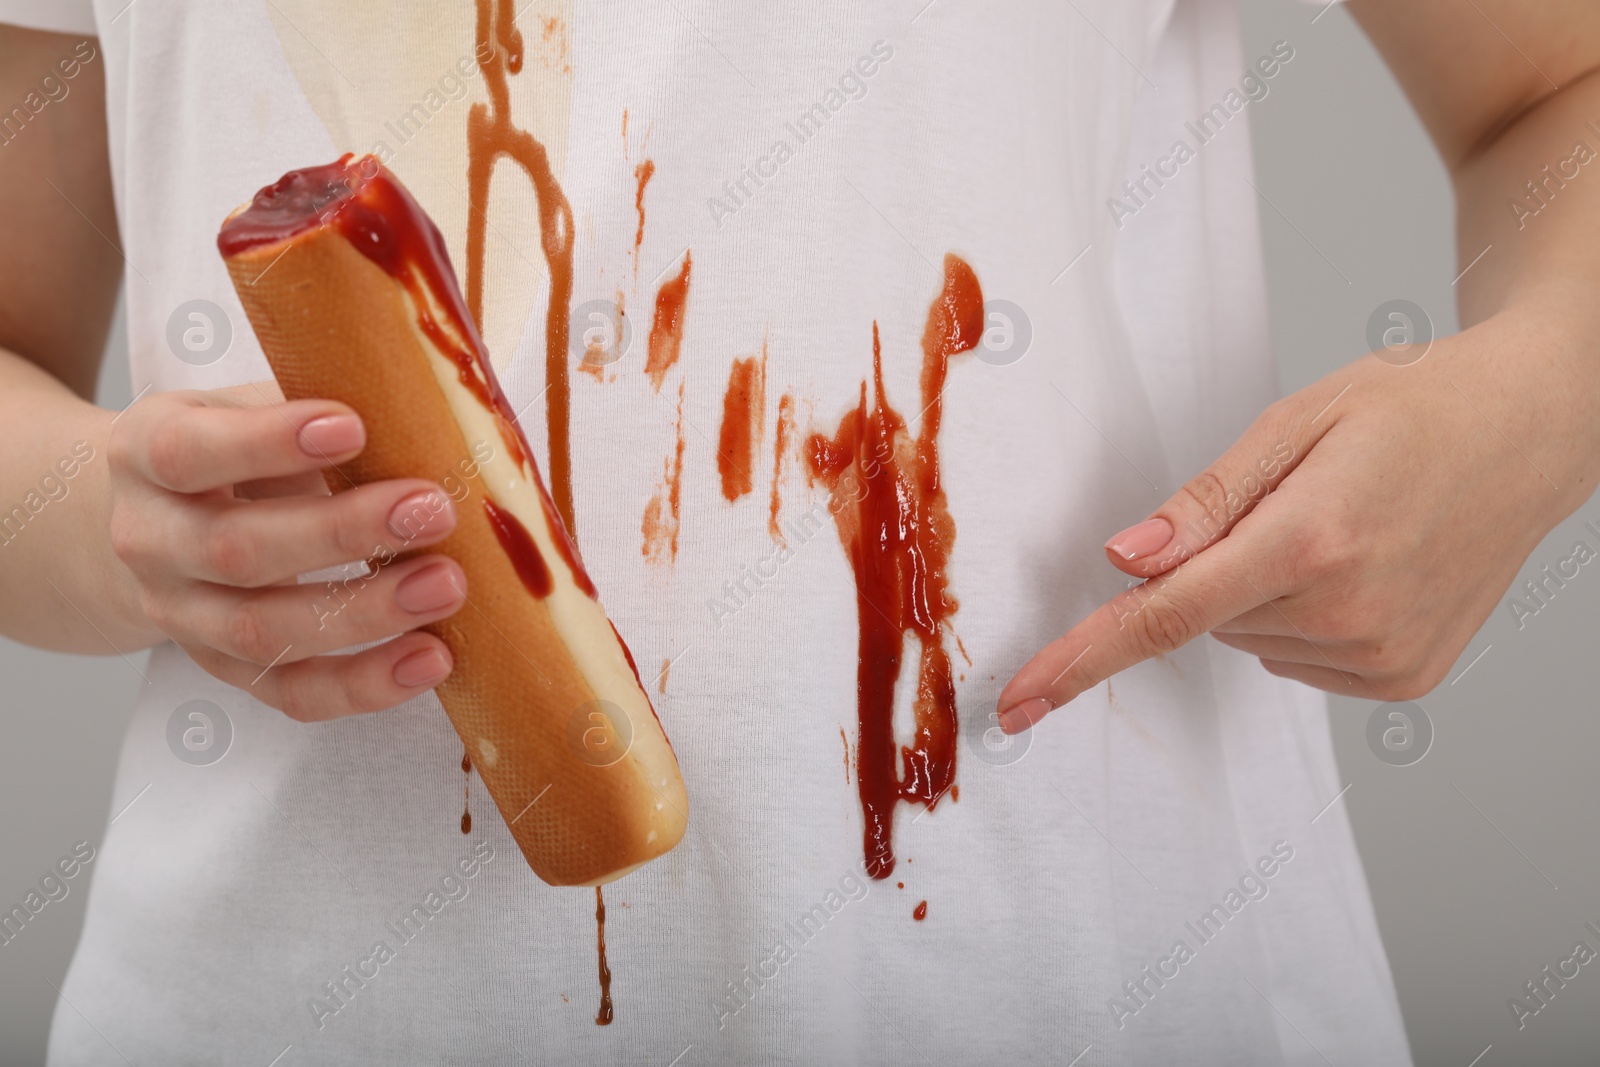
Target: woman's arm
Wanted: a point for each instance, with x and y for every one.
(1358, 534)
(1508, 91)
(59, 271)
(189, 515)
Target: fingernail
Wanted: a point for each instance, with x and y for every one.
(332, 435)
(428, 667)
(1023, 716)
(418, 513)
(1141, 540)
(430, 589)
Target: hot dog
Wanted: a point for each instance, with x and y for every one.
(349, 288)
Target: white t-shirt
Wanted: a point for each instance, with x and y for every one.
(1154, 875)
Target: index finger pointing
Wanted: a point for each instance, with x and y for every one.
(1153, 617)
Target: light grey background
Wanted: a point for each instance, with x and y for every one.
(1481, 857)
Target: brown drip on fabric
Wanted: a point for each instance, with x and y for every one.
(666, 328)
(743, 424)
(466, 794)
(491, 136)
(659, 525)
(606, 1012)
(641, 174)
(896, 530)
(600, 362)
(920, 912)
(780, 448)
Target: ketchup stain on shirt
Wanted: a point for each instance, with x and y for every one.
(554, 34)
(491, 136)
(783, 436)
(641, 175)
(599, 361)
(666, 328)
(743, 424)
(660, 523)
(606, 1012)
(896, 530)
(920, 912)
(466, 794)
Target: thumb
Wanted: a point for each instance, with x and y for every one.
(1212, 503)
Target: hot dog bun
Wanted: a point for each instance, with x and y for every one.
(350, 291)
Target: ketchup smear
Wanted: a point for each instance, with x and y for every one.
(897, 532)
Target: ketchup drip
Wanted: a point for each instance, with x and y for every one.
(896, 530)
(466, 794)
(634, 667)
(743, 420)
(660, 523)
(920, 912)
(606, 1014)
(666, 328)
(780, 448)
(520, 546)
(642, 174)
(492, 135)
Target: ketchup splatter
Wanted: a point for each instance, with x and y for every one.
(519, 545)
(743, 421)
(920, 912)
(606, 1014)
(780, 448)
(661, 680)
(897, 532)
(641, 174)
(555, 40)
(660, 523)
(466, 794)
(666, 328)
(491, 136)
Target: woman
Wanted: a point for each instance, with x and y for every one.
(1152, 876)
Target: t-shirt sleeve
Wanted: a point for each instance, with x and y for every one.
(57, 16)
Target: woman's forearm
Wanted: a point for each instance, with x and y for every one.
(1528, 204)
(61, 586)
